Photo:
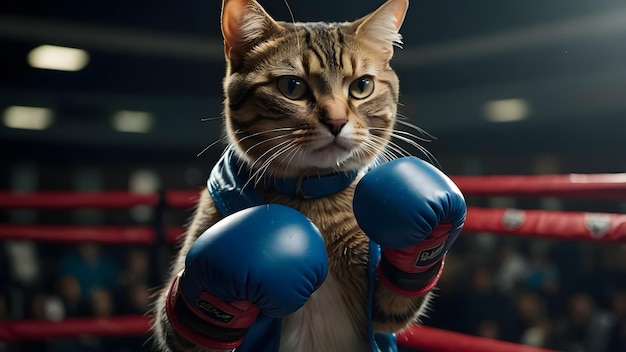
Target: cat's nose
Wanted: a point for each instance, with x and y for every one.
(335, 124)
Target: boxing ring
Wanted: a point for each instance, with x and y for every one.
(560, 225)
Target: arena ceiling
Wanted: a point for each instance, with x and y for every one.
(561, 64)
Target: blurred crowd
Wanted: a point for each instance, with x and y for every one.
(560, 295)
(85, 280)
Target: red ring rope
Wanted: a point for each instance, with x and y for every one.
(562, 225)
(437, 340)
(599, 186)
(604, 227)
(31, 330)
(106, 200)
(416, 337)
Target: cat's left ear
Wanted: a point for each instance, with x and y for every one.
(244, 24)
(382, 26)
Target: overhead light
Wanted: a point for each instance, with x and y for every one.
(133, 121)
(27, 117)
(60, 58)
(506, 110)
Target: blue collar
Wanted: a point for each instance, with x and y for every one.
(232, 190)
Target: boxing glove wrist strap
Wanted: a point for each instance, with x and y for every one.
(408, 284)
(189, 323)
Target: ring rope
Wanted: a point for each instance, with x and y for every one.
(104, 200)
(416, 337)
(598, 186)
(577, 226)
(429, 339)
(141, 235)
(37, 329)
(561, 225)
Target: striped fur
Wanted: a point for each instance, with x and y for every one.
(280, 136)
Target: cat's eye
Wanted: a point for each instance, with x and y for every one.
(362, 87)
(293, 87)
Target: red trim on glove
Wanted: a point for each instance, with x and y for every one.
(410, 293)
(194, 337)
(235, 315)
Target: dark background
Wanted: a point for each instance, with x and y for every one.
(565, 58)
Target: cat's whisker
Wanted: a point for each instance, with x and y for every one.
(221, 139)
(431, 158)
(427, 136)
(282, 129)
(259, 172)
(406, 137)
(423, 139)
(270, 150)
(294, 149)
(393, 151)
(393, 146)
(270, 160)
(263, 169)
(376, 149)
(211, 118)
(293, 20)
(256, 145)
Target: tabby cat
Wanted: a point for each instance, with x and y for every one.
(311, 99)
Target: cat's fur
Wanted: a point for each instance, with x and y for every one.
(326, 130)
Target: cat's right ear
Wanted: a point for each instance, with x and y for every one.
(381, 27)
(244, 24)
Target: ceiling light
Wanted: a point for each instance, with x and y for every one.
(133, 121)
(506, 110)
(58, 58)
(27, 117)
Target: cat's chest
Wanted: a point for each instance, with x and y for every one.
(337, 309)
(325, 315)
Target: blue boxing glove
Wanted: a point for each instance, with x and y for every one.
(267, 259)
(415, 213)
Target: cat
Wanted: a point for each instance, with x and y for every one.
(309, 100)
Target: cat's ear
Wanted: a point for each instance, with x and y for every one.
(244, 24)
(382, 26)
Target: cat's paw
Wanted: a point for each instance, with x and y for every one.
(267, 259)
(415, 213)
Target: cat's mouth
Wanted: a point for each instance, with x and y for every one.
(332, 147)
(330, 154)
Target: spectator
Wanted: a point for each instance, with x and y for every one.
(137, 299)
(489, 329)
(538, 335)
(91, 267)
(484, 303)
(544, 278)
(585, 328)
(101, 303)
(137, 269)
(618, 335)
(512, 268)
(70, 293)
(530, 309)
(533, 325)
(449, 296)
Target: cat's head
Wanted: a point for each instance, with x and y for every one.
(309, 98)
